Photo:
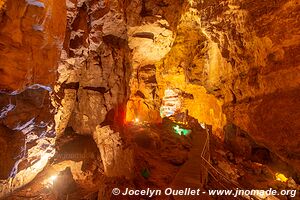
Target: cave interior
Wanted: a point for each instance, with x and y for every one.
(170, 95)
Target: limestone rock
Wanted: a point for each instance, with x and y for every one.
(93, 71)
(237, 60)
(32, 28)
(234, 62)
(31, 126)
(117, 159)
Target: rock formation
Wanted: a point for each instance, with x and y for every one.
(117, 160)
(30, 45)
(94, 67)
(27, 137)
(109, 62)
(238, 63)
(30, 35)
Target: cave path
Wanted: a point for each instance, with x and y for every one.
(193, 173)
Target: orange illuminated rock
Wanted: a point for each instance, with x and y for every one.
(232, 62)
(30, 42)
(2, 3)
(238, 63)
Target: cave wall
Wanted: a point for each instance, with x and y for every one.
(258, 42)
(239, 63)
(233, 61)
(27, 137)
(151, 27)
(2, 5)
(92, 87)
(29, 35)
(30, 44)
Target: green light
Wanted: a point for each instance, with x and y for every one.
(145, 173)
(181, 131)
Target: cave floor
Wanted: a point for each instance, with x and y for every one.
(162, 159)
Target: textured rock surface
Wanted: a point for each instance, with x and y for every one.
(232, 61)
(29, 36)
(151, 31)
(238, 63)
(117, 159)
(2, 4)
(259, 75)
(27, 137)
(93, 73)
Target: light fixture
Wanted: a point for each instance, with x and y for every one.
(280, 177)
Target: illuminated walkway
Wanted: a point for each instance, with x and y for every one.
(193, 173)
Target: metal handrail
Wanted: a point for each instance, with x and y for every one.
(212, 167)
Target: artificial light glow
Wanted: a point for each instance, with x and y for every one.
(181, 131)
(280, 177)
(50, 181)
(202, 124)
(178, 122)
(136, 120)
(171, 103)
(53, 178)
